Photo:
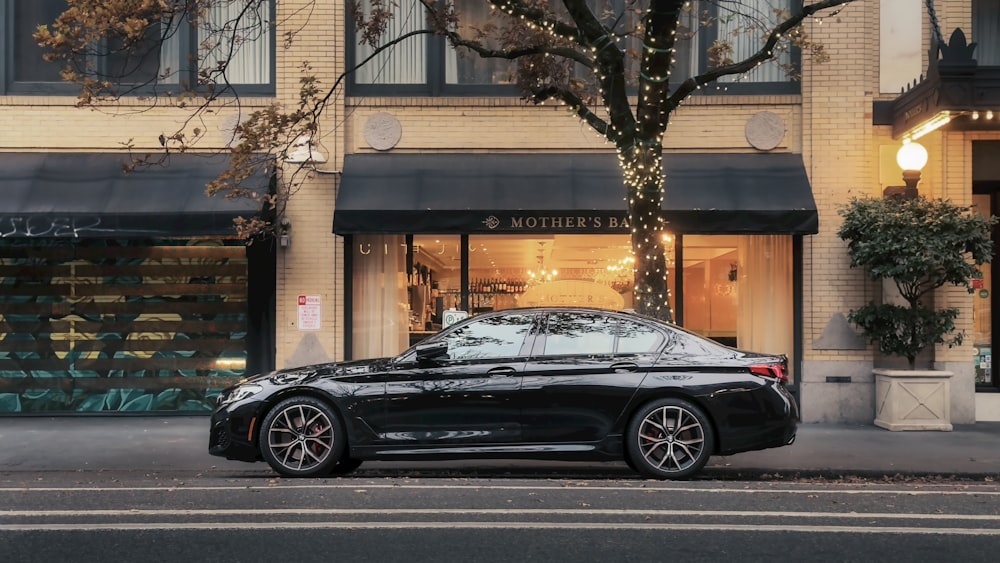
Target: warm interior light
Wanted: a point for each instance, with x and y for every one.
(231, 364)
(932, 124)
(911, 156)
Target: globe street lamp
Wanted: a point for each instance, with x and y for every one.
(911, 157)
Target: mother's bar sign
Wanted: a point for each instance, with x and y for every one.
(309, 317)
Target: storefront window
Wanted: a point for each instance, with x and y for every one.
(738, 291)
(530, 271)
(505, 272)
(95, 325)
(381, 308)
(765, 318)
(710, 285)
(434, 282)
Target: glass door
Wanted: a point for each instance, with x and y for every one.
(983, 306)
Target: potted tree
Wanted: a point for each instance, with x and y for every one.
(914, 246)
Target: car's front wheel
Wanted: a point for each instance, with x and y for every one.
(669, 439)
(302, 437)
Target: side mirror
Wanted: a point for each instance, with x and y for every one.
(432, 351)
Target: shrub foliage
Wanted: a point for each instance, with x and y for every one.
(920, 244)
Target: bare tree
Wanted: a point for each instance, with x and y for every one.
(608, 60)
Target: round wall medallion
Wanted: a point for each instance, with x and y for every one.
(382, 131)
(765, 130)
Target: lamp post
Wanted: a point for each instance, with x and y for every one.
(911, 157)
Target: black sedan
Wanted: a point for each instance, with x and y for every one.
(544, 383)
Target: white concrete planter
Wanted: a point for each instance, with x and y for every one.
(913, 399)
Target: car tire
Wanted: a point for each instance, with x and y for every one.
(345, 466)
(302, 437)
(669, 439)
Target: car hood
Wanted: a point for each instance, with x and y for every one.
(355, 370)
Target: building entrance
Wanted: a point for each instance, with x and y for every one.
(986, 303)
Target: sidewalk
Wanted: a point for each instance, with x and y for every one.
(180, 443)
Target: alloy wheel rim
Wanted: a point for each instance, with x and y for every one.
(671, 439)
(301, 437)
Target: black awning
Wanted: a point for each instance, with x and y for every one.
(90, 195)
(569, 193)
(955, 94)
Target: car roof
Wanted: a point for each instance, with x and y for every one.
(630, 313)
(567, 308)
(574, 309)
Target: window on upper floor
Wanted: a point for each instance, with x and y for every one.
(424, 64)
(715, 32)
(900, 44)
(163, 64)
(25, 66)
(986, 31)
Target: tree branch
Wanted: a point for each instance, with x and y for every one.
(610, 66)
(322, 103)
(580, 108)
(764, 54)
(512, 54)
(536, 16)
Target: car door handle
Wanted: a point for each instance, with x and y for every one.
(501, 372)
(624, 366)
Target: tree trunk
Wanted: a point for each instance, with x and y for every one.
(645, 208)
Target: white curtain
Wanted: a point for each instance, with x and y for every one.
(170, 70)
(986, 31)
(380, 300)
(404, 63)
(465, 67)
(745, 24)
(764, 304)
(231, 30)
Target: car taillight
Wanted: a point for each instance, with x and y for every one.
(773, 371)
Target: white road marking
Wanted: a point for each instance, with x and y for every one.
(641, 489)
(489, 511)
(299, 526)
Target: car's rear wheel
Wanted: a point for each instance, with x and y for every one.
(302, 437)
(669, 439)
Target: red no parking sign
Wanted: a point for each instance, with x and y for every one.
(309, 312)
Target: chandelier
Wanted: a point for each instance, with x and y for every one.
(541, 275)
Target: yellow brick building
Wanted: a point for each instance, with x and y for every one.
(363, 275)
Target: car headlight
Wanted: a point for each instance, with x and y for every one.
(239, 393)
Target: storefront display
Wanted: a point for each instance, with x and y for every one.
(737, 289)
(121, 325)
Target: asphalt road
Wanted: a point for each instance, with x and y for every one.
(176, 443)
(112, 516)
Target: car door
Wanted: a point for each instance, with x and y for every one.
(582, 373)
(466, 396)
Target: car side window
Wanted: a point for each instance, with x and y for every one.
(489, 337)
(579, 334)
(637, 338)
(684, 344)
